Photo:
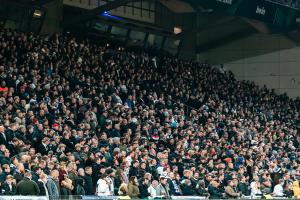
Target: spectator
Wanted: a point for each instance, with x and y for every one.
(162, 189)
(214, 191)
(143, 188)
(243, 187)
(27, 187)
(278, 189)
(230, 190)
(201, 189)
(103, 186)
(42, 185)
(174, 186)
(75, 103)
(153, 189)
(9, 187)
(52, 186)
(133, 189)
(187, 188)
(296, 189)
(255, 187)
(79, 190)
(66, 188)
(123, 191)
(89, 180)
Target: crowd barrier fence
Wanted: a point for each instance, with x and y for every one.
(111, 198)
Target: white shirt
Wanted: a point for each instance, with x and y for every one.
(278, 190)
(254, 189)
(102, 188)
(129, 160)
(152, 191)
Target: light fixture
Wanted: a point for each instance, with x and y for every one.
(37, 13)
(177, 30)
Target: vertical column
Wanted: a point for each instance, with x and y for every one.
(53, 17)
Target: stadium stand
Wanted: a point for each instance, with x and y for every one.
(78, 118)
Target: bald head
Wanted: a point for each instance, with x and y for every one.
(2, 129)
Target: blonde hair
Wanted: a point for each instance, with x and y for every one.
(123, 189)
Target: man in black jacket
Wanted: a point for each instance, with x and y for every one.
(214, 190)
(44, 146)
(187, 189)
(27, 187)
(174, 186)
(3, 136)
(144, 194)
(89, 189)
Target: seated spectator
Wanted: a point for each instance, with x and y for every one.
(231, 190)
(296, 189)
(123, 191)
(79, 188)
(255, 187)
(214, 191)
(133, 189)
(153, 189)
(162, 190)
(201, 189)
(243, 186)
(278, 189)
(103, 186)
(143, 187)
(9, 186)
(66, 188)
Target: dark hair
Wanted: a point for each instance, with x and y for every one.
(132, 180)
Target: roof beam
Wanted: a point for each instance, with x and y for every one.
(91, 13)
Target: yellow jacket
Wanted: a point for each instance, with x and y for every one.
(296, 189)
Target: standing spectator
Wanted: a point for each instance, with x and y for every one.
(88, 181)
(42, 185)
(27, 186)
(3, 137)
(52, 187)
(133, 189)
(110, 180)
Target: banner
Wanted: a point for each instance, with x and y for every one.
(266, 11)
(23, 198)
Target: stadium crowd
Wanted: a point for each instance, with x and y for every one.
(78, 118)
